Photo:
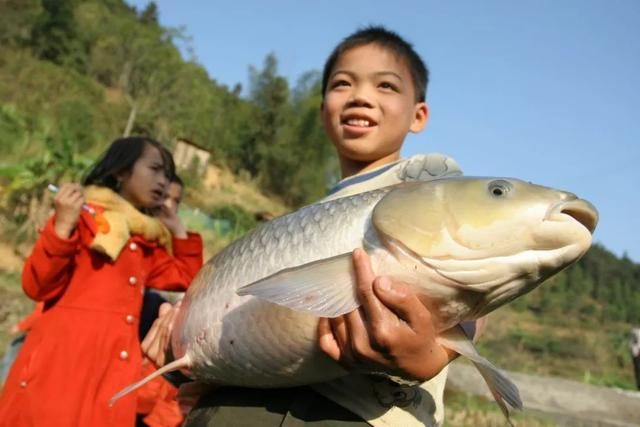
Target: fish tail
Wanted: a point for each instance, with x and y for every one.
(183, 362)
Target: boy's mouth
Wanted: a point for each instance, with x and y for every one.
(357, 122)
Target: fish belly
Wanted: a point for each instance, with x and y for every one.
(244, 341)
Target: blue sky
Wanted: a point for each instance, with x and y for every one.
(546, 91)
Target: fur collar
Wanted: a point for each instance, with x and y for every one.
(118, 220)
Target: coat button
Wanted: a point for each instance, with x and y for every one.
(133, 246)
(130, 319)
(124, 355)
(133, 280)
(23, 384)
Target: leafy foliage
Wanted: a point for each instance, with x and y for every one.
(98, 69)
(599, 289)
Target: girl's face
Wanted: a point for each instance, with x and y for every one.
(145, 185)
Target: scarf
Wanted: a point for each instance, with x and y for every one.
(119, 220)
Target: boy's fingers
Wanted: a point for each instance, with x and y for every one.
(150, 337)
(157, 339)
(343, 340)
(340, 333)
(164, 308)
(402, 300)
(373, 310)
(327, 341)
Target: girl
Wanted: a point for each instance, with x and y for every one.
(89, 267)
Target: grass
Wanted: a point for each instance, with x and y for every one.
(463, 410)
(559, 346)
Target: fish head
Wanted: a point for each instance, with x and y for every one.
(498, 236)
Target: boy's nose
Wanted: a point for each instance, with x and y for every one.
(359, 101)
(359, 98)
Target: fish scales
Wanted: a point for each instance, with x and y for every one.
(241, 353)
(466, 245)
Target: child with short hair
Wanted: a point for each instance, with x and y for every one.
(157, 406)
(374, 87)
(90, 271)
(374, 90)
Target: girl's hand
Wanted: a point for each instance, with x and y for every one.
(169, 217)
(392, 331)
(67, 203)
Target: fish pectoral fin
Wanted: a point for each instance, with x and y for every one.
(501, 387)
(325, 288)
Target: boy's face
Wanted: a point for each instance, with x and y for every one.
(173, 197)
(369, 105)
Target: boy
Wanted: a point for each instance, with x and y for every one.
(156, 403)
(374, 88)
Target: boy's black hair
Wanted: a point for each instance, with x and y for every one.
(176, 179)
(120, 157)
(388, 40)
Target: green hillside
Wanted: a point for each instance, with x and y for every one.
(75, 74)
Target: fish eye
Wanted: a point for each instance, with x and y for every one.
(499, 187)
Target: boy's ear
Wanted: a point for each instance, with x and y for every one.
(420, 117)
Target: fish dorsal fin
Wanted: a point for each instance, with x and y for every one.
(501, 387)
(325, 288)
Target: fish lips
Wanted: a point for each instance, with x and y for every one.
(575, 209)
(567, 228)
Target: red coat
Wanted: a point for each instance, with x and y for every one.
(85, 347)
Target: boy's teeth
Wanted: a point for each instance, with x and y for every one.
(358, 122)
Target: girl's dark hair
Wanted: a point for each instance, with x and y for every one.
(120, 157)
(388, 40)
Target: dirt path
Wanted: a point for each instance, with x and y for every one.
(570, 403)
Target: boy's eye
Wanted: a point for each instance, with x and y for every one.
(338, 83)
(388, 86)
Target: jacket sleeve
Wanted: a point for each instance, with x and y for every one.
(175, 273)
(27, 323)
(47, 271)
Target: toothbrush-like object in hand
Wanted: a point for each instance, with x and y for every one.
(86, 207)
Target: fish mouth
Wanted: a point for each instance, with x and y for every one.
(576, 209)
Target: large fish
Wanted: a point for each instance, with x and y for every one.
(469, 244)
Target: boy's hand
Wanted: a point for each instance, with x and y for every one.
(392, 330)
(157, 343)
(171, 220)
(67, 203)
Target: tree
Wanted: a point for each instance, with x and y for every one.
(54, 37)
(17, 18)
(269, 93)
(149, 14)
(27, 190)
